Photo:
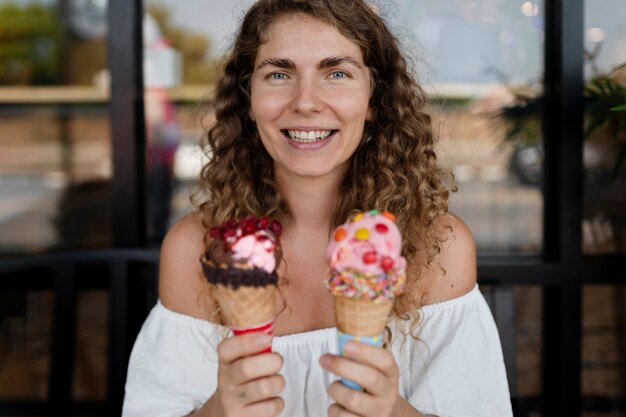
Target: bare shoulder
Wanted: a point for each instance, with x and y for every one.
(453, 272)
(180, 273)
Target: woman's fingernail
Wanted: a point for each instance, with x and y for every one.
(325, 361)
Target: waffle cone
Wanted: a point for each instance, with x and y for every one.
(361, 317)
(246, 306)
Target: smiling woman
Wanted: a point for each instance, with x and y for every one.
(317, 116)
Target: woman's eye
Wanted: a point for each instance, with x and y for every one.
(337, 75)
(278, 76)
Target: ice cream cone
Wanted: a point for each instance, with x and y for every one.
(248, 309)
(240, 264)
(245, 306)
(367, 271)
(361, 317)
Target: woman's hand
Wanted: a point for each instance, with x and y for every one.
(247, 384)
(372, 368)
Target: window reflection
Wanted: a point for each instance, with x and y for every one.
(603, 345)
(471, 41)
(604, 222)
(54, 141)
(481, 57)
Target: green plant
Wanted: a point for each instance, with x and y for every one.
(605, 97)
(605, 110)
(29, 44)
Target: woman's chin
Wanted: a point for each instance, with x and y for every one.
(311, 170)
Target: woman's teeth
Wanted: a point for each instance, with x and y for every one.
(308, 137)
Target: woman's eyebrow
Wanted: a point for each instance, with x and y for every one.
(329, 62)
(277, 62)
(333, 61)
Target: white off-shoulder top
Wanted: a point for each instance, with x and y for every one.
(455, 369)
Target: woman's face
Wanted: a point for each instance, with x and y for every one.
(309, 97)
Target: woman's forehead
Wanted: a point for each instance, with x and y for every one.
(300, 33)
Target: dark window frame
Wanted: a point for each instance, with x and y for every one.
(561, 270)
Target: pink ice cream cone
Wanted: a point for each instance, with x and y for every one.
(367, 271)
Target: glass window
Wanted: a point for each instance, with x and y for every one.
(482, 61)
(518, 314)
(529, 340)
(181, 62)
(55, 156)
(25, 328)
(89, 381)
(603, 349)
(604, 222)
(55, 171)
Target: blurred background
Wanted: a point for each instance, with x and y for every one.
(482, 61)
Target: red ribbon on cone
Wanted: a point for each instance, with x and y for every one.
(266, 327)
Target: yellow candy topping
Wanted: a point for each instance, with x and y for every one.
(357, 217)
(362, 234)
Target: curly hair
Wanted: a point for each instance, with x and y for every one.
(395, 169)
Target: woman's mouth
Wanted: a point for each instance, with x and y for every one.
(311, 136)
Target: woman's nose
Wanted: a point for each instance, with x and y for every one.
(307, 98)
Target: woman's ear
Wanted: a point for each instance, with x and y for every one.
(251, 115)
(368, 115)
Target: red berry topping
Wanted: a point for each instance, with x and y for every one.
(387, 263)
(248, 229)
(263, 223)
(381, 228)
(230, 231)
(369, 257)
(276, 228)
(248, 225)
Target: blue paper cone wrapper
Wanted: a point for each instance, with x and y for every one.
(343, 338)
